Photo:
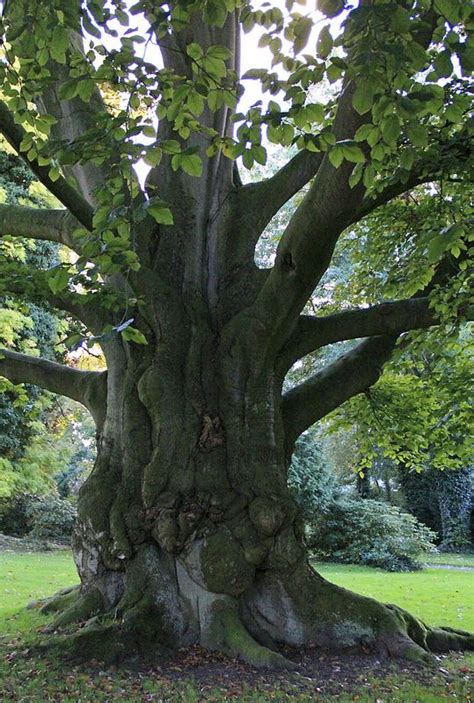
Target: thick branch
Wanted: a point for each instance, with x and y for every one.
(306, 247)
(60, 188)
(36, 223)
(349, 375)
(385, 318)
(270, 195)
(87, 387)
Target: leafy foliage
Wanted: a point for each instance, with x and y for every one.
(51, 517)
(369, 532)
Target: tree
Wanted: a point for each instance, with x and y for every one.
(415, 418)
(22, 326)
(187, 531)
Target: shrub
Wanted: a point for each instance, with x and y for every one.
(51, 517)
(369, 532)
(14, 514)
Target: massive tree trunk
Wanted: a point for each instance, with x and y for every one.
(187, 532)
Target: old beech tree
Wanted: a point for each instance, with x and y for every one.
(187, 532)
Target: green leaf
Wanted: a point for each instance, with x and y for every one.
(54, 173)
(131, 334)
(85, 89)
(353, 153)
(324, 43)
(161, 214)
(390, 128)
(219, 52)
(59, 44)
(417, 134)
(259, 153)
(195, 103)
(407, 158)
(42, 57)
(153, 156)
(443, 64)
(449, 9)
(453, 113)
(68, 90)
(191, 164)
(194, 51)
(58, 279)
(247, 159)
(170, 146)
(363, 98)
(336, 156)
(301, 30)
(356, 175)
(216, 67)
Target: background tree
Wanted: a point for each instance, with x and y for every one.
(23, 325)
(35, 440)
(187, 531)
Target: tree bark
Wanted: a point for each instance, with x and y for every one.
(187, 532)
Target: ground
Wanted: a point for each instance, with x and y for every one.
(193, 676)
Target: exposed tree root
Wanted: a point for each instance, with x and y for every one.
(229, 635)
(155, 615)
(62, 599)
(301, 608)
(78, 609)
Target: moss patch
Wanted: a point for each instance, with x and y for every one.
(224, 566)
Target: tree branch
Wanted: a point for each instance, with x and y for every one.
(87, 387)
(60, 188)
(323, 392)
(454, 154)
(270, 195)
(35, 289)
(36, 223)
(386, 318)
(305, 249)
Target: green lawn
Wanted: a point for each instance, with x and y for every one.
(439, 596)
(24, 577)
(443, 597)
(464, 559)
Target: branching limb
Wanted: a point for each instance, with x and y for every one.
(87, 387)
(386, 318)
(34, 288)
(349, 375)
(270, 195)
(36, 223)
(60, 188)
(307, 245)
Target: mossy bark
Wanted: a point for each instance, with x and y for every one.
(188, 534)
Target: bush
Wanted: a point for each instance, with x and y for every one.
(369, 532)
(14, 514)
(51, 517)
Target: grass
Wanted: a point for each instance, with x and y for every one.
(440, 597)
(436, 596)
(448, 559)
(25, 577)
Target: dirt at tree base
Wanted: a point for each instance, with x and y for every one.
(318, 675)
